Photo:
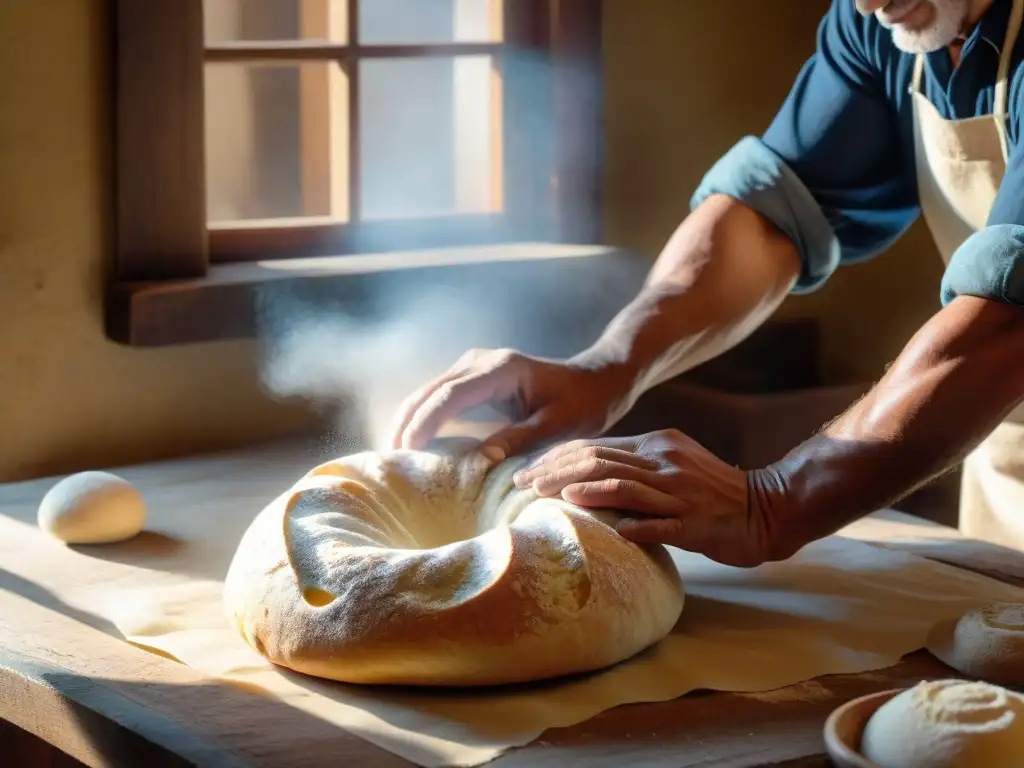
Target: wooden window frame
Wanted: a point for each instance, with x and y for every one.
(177, 281)
(340, 228)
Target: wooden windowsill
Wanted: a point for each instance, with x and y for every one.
(223, 303)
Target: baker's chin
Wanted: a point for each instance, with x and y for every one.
(929, 26)
(923, 41)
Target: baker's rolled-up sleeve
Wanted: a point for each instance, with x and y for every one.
(989, 264)
(828, 171)
(753, 174)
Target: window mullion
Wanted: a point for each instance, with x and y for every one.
(351, 65)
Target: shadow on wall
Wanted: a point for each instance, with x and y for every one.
(683, 82)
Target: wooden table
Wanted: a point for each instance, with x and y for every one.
(69, 686)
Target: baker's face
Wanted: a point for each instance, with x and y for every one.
(919, 26)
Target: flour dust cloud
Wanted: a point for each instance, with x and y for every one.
(359, 369)
(355, 359)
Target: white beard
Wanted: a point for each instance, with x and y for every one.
(949, 16)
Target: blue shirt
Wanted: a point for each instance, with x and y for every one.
(835, 170)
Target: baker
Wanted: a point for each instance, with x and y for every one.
(906, 107)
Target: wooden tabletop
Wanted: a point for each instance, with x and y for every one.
(67, 679)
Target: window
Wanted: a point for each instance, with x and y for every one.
(331, 116)
(252, 131)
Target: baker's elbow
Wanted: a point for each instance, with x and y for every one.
(1013, 345)
(987, 333)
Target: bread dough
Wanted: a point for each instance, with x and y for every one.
(988, 643)
(947, 724)
(92, 508)
(427, 569)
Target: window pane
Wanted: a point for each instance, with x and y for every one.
(429, 133)
(420, 22)
(276, 140)
(239, 20)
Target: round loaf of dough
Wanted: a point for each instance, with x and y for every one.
(947, 724)
(417, 568)
(92, 508)
(988, 643)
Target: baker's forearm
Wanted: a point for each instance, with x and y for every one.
(722, 274)
(953, 383)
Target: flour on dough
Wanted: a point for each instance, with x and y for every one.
(988, 643)
(947, 724)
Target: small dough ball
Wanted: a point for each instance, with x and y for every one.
(988, 643)
(947, 724)
(92, 508)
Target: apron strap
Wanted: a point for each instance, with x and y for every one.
(1002, 78)
(915, 79)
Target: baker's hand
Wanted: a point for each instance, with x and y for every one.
(550, 399)
(675, 492)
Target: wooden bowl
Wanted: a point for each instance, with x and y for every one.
(845, 726)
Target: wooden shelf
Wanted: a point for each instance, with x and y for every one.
(225, 303)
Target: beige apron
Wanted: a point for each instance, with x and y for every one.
(960, 164)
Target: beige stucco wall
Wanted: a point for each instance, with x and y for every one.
(69, 398)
